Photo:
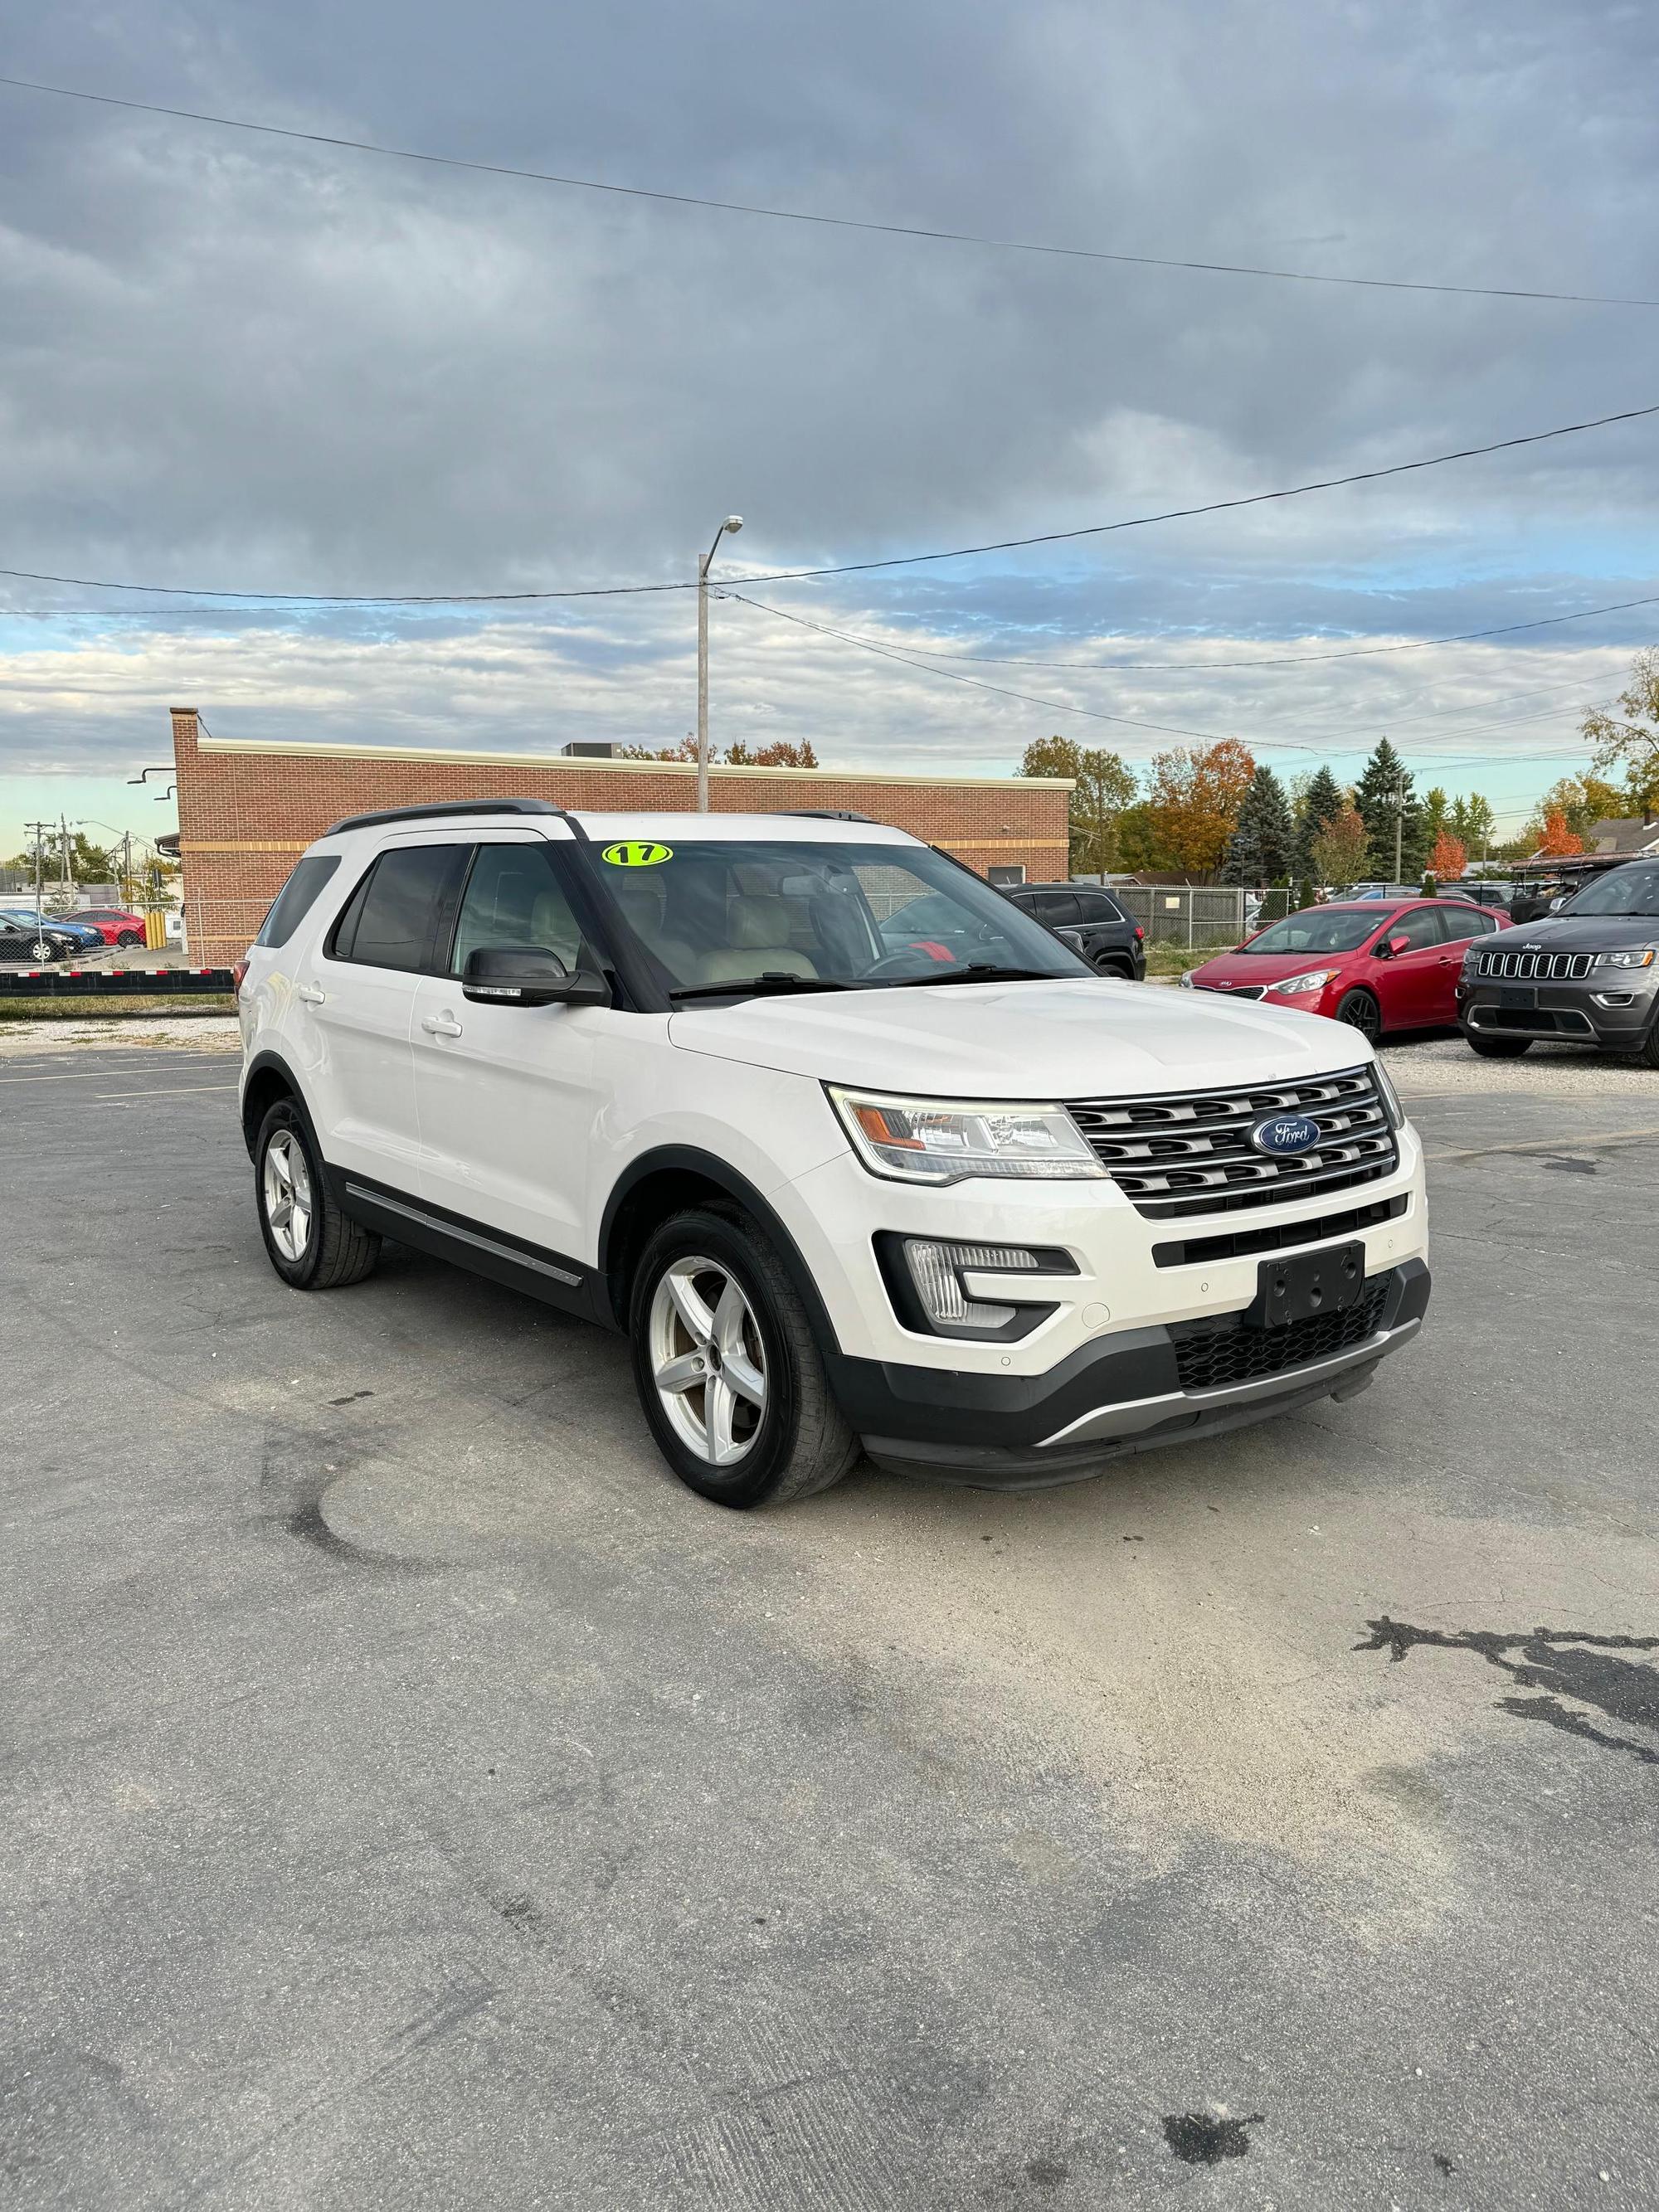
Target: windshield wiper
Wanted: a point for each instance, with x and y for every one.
(771, 982)
(981, 972)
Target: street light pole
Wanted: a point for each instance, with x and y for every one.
(733, 523)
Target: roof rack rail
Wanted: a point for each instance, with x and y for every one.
(823, 814)
(440, 808)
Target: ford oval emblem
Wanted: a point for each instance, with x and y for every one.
(1282, 1135)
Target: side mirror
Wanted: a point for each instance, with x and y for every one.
(1391, 948)
(1557, 904)
(529, 975)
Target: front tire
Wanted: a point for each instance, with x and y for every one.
(728, 1371)
(128, 938)
(1361, 1011)
(1497, 1047)
(311, 1243)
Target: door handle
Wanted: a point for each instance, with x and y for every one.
(311, 994)
(441, 1026)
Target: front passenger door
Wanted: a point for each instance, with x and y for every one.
(507, 1095)
(1410, 985)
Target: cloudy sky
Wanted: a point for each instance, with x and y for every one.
(237, 362)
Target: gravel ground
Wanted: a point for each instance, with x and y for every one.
(412, 1798)
(27, 1040)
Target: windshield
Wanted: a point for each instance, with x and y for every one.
(1625, 891)
(719, 916)
(1319, 929)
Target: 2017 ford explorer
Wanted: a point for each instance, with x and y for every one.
(692, 1077)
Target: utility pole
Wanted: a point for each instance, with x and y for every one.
(733, 523)
(1399, 822)
(40, 831)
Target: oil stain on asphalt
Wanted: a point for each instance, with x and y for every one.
(1553, 1663)
(1201, 2139)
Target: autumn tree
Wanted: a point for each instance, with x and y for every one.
(1320, 801)
(1340, 848)
(1194, 801)
(781, 753)
(1102, 786)
(1140, 847)
(1447, 858)
(1558, 842)
(1629, 739)
(1259, 848)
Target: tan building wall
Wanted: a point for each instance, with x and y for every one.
(246, 810)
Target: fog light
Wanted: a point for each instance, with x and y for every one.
(937, 1270)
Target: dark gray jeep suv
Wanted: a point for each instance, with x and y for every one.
(1589, 974)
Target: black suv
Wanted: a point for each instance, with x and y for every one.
(1092, 921)
(1587, 975)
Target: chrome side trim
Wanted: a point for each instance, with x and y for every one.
(1135, 1414)
(452, 1229)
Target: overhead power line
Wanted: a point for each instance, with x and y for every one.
(841, 567)
(1095, 714)
(1285, 660)
(824, 222)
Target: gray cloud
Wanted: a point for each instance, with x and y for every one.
(227, 361)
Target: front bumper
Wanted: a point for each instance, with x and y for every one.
(1118, 1394)
(1613, 1010)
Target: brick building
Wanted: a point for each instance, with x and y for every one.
(247, 808)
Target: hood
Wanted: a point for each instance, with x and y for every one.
(1578, 933)
(1088, 1039)
(1263, 967)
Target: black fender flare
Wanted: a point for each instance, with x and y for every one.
(689, 1159)
(267, 1062)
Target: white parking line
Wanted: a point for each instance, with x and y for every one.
(177, 1090)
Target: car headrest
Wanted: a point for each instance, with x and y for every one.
(754, 920)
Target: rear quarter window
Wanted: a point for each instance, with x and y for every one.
(297, 896)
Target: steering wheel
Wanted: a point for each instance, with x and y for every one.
(908, 960)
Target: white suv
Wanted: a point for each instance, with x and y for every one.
(855, 1152)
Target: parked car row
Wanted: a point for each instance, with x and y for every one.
(1587, 973)
(26, 934)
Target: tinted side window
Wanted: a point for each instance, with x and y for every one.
(513, 897)
(399, 907)
(297, 896)
(1097, 906)
(1459, 924)
(1052, 907)
(1421, 926)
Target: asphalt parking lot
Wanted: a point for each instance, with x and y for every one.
(414, 1798)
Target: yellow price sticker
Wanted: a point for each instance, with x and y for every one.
(637, 856)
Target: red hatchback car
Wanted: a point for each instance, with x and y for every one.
(1380, 966)
(118, 927)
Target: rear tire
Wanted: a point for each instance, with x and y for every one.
(1361, 1011)
(1498, 1047)
(1119, 970)
(311, 1243)
(129, 937)
(711, 1299)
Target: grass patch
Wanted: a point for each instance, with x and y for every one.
(1177, 959)
(98, 1007)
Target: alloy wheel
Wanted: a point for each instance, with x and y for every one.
(708, 1359)
(286, 1184)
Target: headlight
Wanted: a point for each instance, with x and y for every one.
(944, 1141)
(1315, 980)
(1639, 956)
(1391, 1105)
(1186, 982)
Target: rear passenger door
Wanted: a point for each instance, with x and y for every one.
(507, 1096)
(355, 1001)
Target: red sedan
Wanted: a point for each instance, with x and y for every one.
(118, 927)
(1380, 966)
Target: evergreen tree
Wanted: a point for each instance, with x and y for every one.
(1259, 850)
(1322, 802)
(1377, 796)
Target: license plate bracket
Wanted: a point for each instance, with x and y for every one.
(1328, 1281)
(1521, 997)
